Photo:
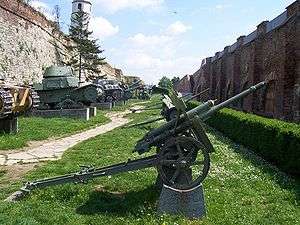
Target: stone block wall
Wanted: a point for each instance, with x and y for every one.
(271, 52)
(29, 43)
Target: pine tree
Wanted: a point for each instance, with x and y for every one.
(86, 51)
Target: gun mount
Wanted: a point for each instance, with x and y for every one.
(183, 150)
(110, 90)
(16, 100)
(128, 92)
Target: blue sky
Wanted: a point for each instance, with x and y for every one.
(153, 38)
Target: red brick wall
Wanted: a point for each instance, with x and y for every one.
(273, 54)
(185, 85)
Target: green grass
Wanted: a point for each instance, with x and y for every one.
(240, 188)
(38, 129)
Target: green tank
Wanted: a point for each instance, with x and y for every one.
(60, 89)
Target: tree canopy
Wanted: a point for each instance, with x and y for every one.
(165, 83)
(86, 51)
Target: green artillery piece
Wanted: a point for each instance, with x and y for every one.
(128, 92)
(182, 156)
(168, 109)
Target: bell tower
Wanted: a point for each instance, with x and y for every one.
(82, 6)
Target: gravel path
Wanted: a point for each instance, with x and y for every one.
(54, 150)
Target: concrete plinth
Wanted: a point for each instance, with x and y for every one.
(103, 105)
(93, 111)
(83, 114)
(119, 103)
(9, 125)
(187, 203)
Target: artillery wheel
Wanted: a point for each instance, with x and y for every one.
(183, 163)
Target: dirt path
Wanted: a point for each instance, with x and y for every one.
(53, 150)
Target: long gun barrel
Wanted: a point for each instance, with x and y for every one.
(197, 95)
(203, 111)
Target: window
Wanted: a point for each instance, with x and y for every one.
(80, 7)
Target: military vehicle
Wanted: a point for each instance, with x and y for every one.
(181, 151)
(15, 99)
(129, 90)
(111, 90)
(60, 89)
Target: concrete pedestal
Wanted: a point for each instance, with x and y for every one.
(93, 111)
(119, 103)
(187, 203)
(9, 125)
(83, 114)
(103, 105)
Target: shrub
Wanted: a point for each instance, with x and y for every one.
(276, 141)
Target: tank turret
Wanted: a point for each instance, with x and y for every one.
(60, 89)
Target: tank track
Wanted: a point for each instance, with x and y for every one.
(35, 99)
(7, 100)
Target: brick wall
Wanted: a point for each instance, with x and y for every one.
(271, 52)
(185, 85)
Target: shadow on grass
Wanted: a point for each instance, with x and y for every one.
(119, 203)
(284, 180)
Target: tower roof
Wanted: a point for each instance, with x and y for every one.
(83, 1)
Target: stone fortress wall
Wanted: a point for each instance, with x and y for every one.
(271, 52)
(29, 43)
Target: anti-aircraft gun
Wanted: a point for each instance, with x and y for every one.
(15, 99)
(182, 156)
(168, 109)
(128, 92)
(110, 89)
(61, 89)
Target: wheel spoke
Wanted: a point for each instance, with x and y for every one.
(186, 176)
(179, 150)
(175, 175)
(167, 162)
(191, 153)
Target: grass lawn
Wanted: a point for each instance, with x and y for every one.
(240, 188)
(39, 129)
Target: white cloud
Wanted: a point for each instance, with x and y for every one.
(102, 28)
(43, 8)
(177, 28)
(113, 6)
(153, 68)
(221, 7)
(153, 56)
(144, 40)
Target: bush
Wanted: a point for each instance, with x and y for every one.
(276, 141)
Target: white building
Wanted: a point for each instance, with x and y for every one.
(82, 6)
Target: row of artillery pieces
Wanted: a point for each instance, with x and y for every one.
(61, 94)
(180, 151)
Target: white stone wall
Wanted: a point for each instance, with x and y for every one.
(27, 49)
